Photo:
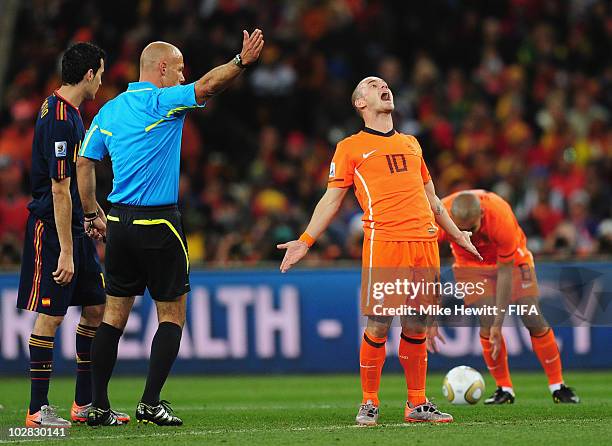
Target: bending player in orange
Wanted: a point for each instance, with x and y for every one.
(395, 191)
(508, 274)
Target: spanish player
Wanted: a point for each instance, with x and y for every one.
(397, 195)
(509, 270)
(60, 266)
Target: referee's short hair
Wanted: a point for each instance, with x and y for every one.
(78, 60)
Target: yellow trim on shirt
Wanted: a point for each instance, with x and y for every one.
(178, 109)
(84, 146)
(170, 113)
(149, 127)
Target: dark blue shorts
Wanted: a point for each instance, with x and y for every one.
(38, 291)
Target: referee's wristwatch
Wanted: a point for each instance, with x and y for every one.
(238, 61)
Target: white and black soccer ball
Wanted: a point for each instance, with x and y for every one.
(463, 385)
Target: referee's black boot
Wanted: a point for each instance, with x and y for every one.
(100, 417)
(162, 414)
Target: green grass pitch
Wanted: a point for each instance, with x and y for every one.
(320, 409)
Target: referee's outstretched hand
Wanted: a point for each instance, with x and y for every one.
(251, 46)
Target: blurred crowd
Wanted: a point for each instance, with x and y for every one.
(513, 96)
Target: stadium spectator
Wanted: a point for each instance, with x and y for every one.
(513, 96)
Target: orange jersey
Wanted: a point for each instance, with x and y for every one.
(388, 173)
(500, 238)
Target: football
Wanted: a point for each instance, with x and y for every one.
(463, 385)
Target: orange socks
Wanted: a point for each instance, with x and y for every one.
(545, 348)
(497, 367)
(371, 361)
(413, 357)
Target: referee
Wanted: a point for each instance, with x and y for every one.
(145, 246)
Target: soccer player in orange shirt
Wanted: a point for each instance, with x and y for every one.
(508, 275)
(397, 195)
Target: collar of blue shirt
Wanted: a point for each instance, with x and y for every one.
(141, 86)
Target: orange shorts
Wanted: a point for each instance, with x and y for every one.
(381, 254)
(395, 274)
(524, 282)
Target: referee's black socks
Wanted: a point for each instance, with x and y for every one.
(164, 349)
(84, 338)
(103, 357)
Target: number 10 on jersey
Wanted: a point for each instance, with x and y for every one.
(397, 163)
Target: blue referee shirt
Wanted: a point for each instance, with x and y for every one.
(141, 130)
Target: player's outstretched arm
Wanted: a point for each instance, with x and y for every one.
(86, 181)
(217, 79)
(462, 238)
(324, 213)
(62, 212)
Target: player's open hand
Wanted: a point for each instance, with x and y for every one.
(251, 46)
(495, 338)
(464, 241)
(65, 269)
(432, 336)
(296, 249)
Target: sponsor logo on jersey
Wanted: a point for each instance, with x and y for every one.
(44, 109)
(365, 155)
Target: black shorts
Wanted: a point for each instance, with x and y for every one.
(146, 248)
(37, 289)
